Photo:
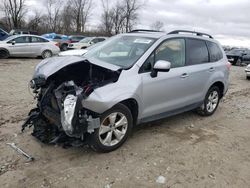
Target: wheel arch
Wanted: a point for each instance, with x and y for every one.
(221, 87)
(5, 49)
(132, 104)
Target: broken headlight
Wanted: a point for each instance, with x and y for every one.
(37, 82)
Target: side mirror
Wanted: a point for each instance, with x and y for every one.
(160, 66)
(13, 42)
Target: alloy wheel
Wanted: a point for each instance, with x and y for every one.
(212, 101)
(113, 128)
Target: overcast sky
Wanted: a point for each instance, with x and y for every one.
(227, 20)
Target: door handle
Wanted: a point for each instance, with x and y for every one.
(211, 69)
(184, 75)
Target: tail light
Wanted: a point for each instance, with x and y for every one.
(57, 44)
(229, 65)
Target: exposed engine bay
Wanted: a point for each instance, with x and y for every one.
(59, 116)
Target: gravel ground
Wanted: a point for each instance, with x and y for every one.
(182, 151)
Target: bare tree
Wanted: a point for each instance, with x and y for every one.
(35, 21)
(158, 25)
(131, 8)
(14, 11)
(67, 17)
(107, 17)
(54, 8)
(81, 13)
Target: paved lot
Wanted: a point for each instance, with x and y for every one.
(188, 150)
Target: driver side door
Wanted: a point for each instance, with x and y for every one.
(21, 47)
(167, 91)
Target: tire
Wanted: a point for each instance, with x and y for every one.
(248, 77)
(211, 102)
(64, 47)
(105, 138)
(46, 54)
(4, 54)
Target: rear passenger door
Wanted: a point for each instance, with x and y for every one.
(198, 67)
(37, 44)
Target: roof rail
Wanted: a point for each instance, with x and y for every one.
(142, 30)
(193, 32)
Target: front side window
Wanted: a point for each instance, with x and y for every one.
(123, 51)
(25, 39)
(214, 52)
(172, 50)
(197, 52)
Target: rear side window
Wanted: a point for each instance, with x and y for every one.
(214, 52)
(38, 40)
(197, 52)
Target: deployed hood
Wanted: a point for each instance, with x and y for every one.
(49, 66)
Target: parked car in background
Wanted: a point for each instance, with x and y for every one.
(62, 40)
(75, 52)
(27, 46)
(129, 79)
(22, 31)
(246, 58)
(86, 42)
(235, 56)
(75, 38)
(3, 34)
(78, 52)
(247, 70)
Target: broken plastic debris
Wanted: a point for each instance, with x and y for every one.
(161, 180)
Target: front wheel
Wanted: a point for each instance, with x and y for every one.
(4, 54)
(211, 102)
(116, 124)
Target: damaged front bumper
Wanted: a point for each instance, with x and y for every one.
(59, 114)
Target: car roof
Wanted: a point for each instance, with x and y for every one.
(173, 34)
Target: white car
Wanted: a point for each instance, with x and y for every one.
(247, 70)
(28, 46)
(86, 42)
(77, 52)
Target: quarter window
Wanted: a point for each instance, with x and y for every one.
(197, 52)
(214, 52)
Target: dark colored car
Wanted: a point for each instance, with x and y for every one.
(246, 58)
(3, 34)
(75, 38)
(235, 56)
(22, 31)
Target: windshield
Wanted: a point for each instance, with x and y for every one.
(122, 51)
(86, 40)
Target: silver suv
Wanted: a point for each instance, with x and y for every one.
(129, 79)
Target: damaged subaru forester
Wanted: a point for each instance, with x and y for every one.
(129, 79)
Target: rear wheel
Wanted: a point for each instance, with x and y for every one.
(4, 54)
(211, 102)
(64, 47)
(46, 54)
(248, 77)
(116, 124)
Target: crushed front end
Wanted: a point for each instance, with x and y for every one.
(59, 116)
